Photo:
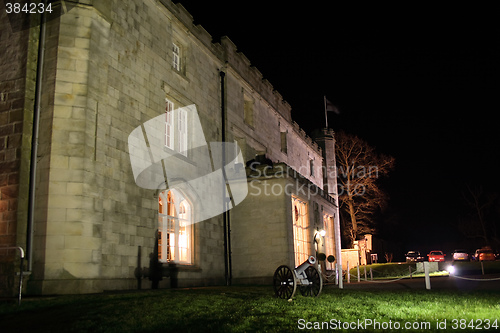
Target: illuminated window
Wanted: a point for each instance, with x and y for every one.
(301, 239)
(176, 61)
(169, 122)
(329, 239)
(175, 229)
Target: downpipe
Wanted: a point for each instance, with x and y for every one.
(34, 142)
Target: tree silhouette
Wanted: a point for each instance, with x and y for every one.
(359, 168)
(482, 215)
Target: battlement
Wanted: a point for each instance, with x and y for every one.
(301, 133)
(227, 52)
(229, 55)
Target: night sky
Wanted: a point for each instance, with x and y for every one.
(418, 83)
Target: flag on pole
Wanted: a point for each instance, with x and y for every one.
(329, 107)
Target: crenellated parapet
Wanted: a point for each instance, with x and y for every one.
(229, 55)
(242, 66)
(196, 30)
(305, 137)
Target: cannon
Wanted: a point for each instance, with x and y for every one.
(306, 276)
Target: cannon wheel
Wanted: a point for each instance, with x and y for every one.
(284, 282)
(315, 282)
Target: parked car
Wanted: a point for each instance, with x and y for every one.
(486, 255)
(436, 256)
(414, 256)
(460, 255)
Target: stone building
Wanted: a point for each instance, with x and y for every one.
(79, 91)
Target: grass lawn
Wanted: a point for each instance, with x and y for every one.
(247, 309)
(389, 270)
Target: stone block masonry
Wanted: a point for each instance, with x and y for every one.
(104, 77)
(18, 64)
(108, 69)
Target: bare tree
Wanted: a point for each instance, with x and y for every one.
(480, 222)
(359, 168)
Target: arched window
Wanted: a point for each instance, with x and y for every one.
(301, 241)
(175, 228)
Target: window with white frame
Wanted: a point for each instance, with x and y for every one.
(248, 110)
(175, 228)
(301, 239)
(176, 128)
(329, 239)
(182, 129)
(284, 146)
(176, 60)
(169, 124)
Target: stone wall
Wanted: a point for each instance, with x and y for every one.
(260, 234)
(108, 69)
(262, 226)
(271, 118)
(18, 53)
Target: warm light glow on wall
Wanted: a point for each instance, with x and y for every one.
(302, 243)
(329, 239)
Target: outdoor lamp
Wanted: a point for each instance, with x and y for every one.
(321, 233)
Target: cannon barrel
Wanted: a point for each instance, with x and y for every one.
(309, 262)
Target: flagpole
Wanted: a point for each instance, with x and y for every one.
(326, 115)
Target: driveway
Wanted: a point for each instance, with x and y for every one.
(465, 283)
